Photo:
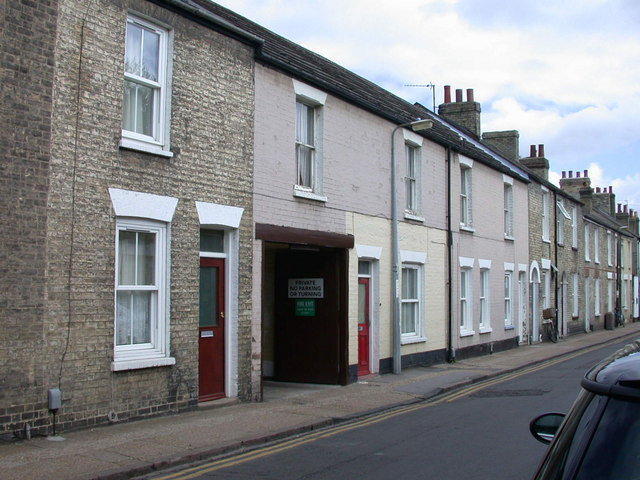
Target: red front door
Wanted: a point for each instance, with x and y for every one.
(363, 326)
(211, 330)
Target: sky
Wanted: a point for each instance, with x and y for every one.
(565, 74)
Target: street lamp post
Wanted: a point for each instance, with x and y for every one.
(416, 126)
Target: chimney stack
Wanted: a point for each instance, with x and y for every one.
(604, 200)
(536, 162)
(580, 188)
(464, 114)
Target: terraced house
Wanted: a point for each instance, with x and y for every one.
(126, 211)
(195, 205)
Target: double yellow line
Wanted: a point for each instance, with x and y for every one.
(193, 472)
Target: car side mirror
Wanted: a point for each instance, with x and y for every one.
(545, 427)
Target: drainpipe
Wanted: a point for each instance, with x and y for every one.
(555, 256)
(451, 354)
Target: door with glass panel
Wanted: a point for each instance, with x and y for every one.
(363, 326)
(211, 329)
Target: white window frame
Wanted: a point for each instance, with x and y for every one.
(417, 335)
(575, 298)
(596, 244)
(155, 353)
(508, 211)
(466, 297)
(311, 98)
(609, 249)
(466, 195)
(545, 214)
(610, 292)
(587, 311)
(587, 240)
(508, 299)
(574, 227)
(485, 297)
(413, 176)
(546, 288)
(522, 296)
(158, 142)
(596, 297)
(562, 216)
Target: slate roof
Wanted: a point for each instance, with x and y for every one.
(277, 52)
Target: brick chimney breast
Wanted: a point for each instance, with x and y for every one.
(464, 114)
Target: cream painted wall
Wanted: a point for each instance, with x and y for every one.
(373, 231)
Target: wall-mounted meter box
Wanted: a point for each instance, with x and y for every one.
(55, 399)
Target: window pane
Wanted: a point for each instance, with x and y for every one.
(151, 50)
(133, 317)
(208, 296)
(409, 283)
(304, 124)
(126, 258)
(138, 103)
(146, 259)
(364, 268)
(409, 316)
(305, 158)
(362, 303)
(212, 241)
(141, 317)
(123, 318)
(132, 59)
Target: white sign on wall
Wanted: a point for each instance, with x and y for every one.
(306, 288)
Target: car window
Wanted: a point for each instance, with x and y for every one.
(572, 438)
(614, 451)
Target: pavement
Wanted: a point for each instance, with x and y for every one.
(126, 450)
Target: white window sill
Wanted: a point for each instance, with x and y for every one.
(410, 340)
(485, 330)
(413, 217)
(509, 238)
(467, 333)
(307, 194)
(509, 327)
(129, 144)
(120, 365)
(464, 228)
(546, 240)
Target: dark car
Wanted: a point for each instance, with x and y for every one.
(599, 438)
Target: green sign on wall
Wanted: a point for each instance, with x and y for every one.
(305, 307)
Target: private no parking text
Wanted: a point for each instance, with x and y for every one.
(306, 288)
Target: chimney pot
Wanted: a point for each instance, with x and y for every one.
(624, 209)
(610, 189)
(469, 94)
(586, 173)
(619, 208)
(577, 174)
(570, 173)
(597, 189)
(458, 95)
(564, 174)
(532, 152)
(541, 150)
(447, 94)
